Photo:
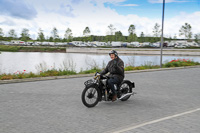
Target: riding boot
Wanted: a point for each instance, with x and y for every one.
(114, 98)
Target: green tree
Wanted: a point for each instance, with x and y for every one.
(170, 38)
(25, 36)
(111, 28)
(156, 30)
(132, 37)
(68, 34)
(1, 32)
(41, 35)
(51, 39)
(185, 30)
(197, 38)
(86, 31)
(12, 34)
(118, 36)
(131, 29)
(142, 39)
(55, 35)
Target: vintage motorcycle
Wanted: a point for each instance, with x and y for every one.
(97, 90)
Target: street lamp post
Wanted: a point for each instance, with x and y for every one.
(161, 46)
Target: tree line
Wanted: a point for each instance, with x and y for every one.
(113, 35)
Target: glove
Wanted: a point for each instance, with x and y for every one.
(97, 74)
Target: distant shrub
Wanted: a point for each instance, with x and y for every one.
(180, 62)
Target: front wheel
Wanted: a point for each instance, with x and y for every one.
(90, 96)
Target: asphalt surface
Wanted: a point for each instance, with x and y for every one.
(166, 102)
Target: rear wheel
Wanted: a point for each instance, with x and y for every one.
(90, 96)
(125, 88)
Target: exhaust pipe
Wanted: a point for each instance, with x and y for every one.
(126, 95)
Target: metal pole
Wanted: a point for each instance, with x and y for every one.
(161, 46)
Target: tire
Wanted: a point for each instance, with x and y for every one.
(90, 96)
(125, 88)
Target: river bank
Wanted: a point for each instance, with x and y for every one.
(137, 51)
(87, 75)
(32, 49)
(94, 69)
(131, 51)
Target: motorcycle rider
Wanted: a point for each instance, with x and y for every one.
(116, 69)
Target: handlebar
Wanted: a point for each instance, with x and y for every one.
(98, 75)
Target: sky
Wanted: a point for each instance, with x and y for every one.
(97, 15)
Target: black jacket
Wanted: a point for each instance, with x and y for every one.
(116, 69)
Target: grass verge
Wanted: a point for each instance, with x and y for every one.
(54, 72)
(31, 49)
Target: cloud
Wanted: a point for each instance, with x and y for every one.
(8, 22)
(75, 1)
(111, 1)
(97, 17)
(167, 1)
(66, 10)
(173, 25)
(117, 2)
(130, 5)
(17, 9)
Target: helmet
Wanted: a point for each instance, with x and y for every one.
(113, 52)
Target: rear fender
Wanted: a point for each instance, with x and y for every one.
(132, 84)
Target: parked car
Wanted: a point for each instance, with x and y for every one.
(124, 44)
(172, 44)
(180, 45)
(116, 44)
(134, 44)
(29, 43)
(22, 43)
(5, 42)
(192, 44)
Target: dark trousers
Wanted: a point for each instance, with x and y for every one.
(111, 82)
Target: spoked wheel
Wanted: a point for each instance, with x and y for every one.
(125, 88)
(90, 96)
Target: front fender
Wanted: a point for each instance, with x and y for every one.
(97, 88)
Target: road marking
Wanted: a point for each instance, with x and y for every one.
(158, 120)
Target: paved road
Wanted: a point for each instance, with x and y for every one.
(167, 102)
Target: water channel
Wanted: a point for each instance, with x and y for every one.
(11, 62)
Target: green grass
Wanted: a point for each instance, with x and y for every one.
(93, 70)
(30, 49)
(131, 68)
(23, 75)
(173, 63)
(189, 48)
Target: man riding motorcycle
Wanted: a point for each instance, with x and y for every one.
(116, 69)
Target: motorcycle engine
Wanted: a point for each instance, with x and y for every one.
(104, 81)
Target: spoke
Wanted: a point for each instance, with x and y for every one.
(91, 100)
(95, 97)
(94, 92)
(91, 92)
(88, 100)
(87, 93)
(125, 86)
